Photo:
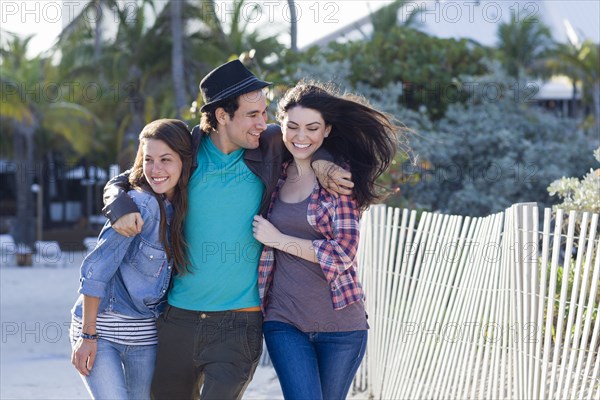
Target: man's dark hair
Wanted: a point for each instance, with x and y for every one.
(208, 121)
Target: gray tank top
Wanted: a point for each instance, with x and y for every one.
(299, 294)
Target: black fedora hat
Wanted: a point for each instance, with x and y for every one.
(229, 80)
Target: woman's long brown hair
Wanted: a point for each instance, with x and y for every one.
(363, 137)
(176, 135)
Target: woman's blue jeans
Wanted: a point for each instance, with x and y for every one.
(121, 371)
(314, 365)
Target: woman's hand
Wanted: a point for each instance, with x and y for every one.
(84, 355)
(265, 232)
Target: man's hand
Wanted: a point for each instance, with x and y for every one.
(335, 179)
(129, 224)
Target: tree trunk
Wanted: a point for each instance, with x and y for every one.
(23, 230)
(137, 105)
(293, 26)
(574, 108)
(596, 105)
(177, 56)
(98, 32)
(210, 17)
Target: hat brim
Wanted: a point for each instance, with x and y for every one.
(255, 85)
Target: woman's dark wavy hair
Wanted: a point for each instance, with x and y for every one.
(176, 135)
(361, 136)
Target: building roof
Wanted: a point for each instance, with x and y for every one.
(558, 88)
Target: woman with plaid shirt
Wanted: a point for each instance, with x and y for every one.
(315, 322)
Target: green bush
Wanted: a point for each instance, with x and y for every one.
(579, 195)
(495, 151)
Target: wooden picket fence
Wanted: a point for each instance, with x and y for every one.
(490, 308)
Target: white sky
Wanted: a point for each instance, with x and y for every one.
(46, 18)
(317, 18)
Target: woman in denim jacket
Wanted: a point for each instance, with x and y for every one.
(124, 280)
(315, 322)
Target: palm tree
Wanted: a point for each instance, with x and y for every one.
(237, 38)
(212, 42)
(240, 39)
(147, 83)
(580, 61)
(194, 54)
(177, 63)
(386, 18)
(293, 26)
(82, 22)
(23, 114)
(123, 68)
(523, 45)
(563, 61)
(139, 65)
(19, 118)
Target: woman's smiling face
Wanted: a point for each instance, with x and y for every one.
(303, 131)
(162, 167)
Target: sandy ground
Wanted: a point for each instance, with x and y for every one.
(35, 305)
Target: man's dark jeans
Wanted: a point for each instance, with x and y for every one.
(218, 351)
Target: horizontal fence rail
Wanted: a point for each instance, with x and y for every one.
(497, 307)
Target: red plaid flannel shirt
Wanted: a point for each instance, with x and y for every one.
(337, 219)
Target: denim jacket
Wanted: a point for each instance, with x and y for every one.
(131, 275)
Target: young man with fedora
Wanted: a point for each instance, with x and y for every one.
(210, 335)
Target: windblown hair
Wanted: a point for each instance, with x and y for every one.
(360, 135)
(208, 120)
(176, 135)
